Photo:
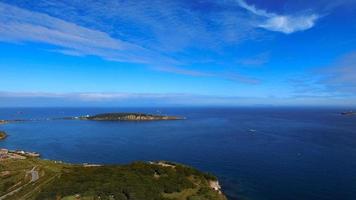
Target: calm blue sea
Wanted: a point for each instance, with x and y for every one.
(257, 153)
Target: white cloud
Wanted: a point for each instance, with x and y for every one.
(289, 24)
(281, 23)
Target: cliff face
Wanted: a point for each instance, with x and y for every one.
(128, 117)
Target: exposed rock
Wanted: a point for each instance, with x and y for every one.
(2, 135)
(215, 185)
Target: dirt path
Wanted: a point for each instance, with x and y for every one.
(34, 175)
(11, 193)
(34, 178)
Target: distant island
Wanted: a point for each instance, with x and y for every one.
(105, 117)
(349, 113)
(2, 135)
(126, 117)
(14, 121)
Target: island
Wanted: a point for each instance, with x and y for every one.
(15, 121)
(127, 117)
(2, 135)
(349, 113)
(106, 117)
(24, 177)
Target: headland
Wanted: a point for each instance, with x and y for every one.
(23, 175)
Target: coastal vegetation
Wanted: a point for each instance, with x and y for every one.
(139, 180)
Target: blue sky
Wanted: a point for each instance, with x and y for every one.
(177, 52)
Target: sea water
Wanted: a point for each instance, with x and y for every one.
(257, 153)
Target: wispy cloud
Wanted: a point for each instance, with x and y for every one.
(231, 76)
(167, 36)
(23, 99)
(20, 25)
(341, 75)
(308, 86)
(256, 60)
(160, 25)
(281, 23)
(240, 78)
(337, 80)
(166, 26)
(109, 99)
(177, 70)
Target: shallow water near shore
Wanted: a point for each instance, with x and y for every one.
(257, 153)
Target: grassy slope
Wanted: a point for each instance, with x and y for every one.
(135, 181)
